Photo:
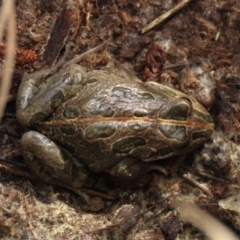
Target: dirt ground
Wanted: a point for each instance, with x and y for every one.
(196, 50)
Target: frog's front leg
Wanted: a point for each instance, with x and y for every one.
(39, 97)
(133, 168)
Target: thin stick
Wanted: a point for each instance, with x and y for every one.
(163, 17)
(213, 228)
(195, 183)
(78, 58)
(8, 6)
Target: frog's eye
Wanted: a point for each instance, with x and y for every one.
(179, 110)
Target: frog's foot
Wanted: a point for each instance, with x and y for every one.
(133, 168)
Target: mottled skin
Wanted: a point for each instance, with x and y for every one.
(104, 122)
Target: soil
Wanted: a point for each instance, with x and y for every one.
(196, 50)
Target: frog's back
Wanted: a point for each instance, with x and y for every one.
(112, 118)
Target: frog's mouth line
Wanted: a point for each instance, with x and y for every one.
(191, 124)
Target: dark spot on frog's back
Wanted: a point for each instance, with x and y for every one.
(174, 132)
(140, 113)
(178, 112)
(100, 130)
(71, 113)
(127, 95)
(100, 109)
(68, 129)
(57, 100)
(127, 144)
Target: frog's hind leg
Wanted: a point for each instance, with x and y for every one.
(38, 98)
(50, 163)
(56, 166)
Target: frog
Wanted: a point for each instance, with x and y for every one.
(104, 121)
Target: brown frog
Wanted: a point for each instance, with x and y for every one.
(104, 122)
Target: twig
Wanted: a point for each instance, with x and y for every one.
(78, 58)
(195, 183)
(163, 17)
(213, 228)
(15, 171)
(7, 16)
(206, 175)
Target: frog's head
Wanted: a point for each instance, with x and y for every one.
(184, 122)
